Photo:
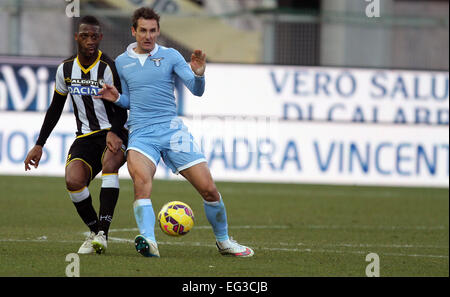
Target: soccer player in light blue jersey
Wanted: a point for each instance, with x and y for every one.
(147, 72)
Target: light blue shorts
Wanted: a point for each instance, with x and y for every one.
(170, 140)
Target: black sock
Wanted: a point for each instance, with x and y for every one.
(108, 201)
(87, 213)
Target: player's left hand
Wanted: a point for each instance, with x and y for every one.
(198, 62)
(113, 142)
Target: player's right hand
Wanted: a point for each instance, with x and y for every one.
(108, 92)
(113, 142)
(33, 157)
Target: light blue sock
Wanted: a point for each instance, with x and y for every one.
(145, 218)
(217, 217)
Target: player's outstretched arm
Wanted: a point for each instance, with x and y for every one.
(51, 119)
(191, 74)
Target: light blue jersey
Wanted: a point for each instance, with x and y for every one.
(148, 83)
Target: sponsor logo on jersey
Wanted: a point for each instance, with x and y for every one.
(83, 90)
(85, 87)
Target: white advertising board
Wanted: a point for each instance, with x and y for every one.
(323, 94)
(268, 151)
(284, 92)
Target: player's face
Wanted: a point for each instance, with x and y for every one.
(88, 39)
(146, 34)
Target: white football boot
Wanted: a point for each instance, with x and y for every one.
(99, 243)
(146, 247)
(86, 247)
(231, 248)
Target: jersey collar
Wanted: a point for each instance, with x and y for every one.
(133, 54)
(86, 70)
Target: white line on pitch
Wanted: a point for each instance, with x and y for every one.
(362, 245)
(284, 249)
(325, 227)
(307, 250)
(209, 227)
(37, 240)
(366, 245)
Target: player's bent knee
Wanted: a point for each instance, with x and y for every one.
(75, 185)
(77, 175)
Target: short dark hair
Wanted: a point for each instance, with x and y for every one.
(89, 20)
(146, 13)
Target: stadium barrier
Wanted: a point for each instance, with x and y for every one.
(280, 151)
(268, 123)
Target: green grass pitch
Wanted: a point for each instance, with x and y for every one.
(295, 230)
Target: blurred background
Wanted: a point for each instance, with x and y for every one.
(340, 91)
(410, 34)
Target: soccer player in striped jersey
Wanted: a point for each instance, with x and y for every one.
(147, 72)
(101, 136)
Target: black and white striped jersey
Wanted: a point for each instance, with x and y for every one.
(81, 84)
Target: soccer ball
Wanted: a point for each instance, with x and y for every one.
(176, 218)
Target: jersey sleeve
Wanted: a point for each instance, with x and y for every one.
(124, 97)
(111, 77)
(120, 117)
(60, 83)
(51, 117)
(195, 84)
